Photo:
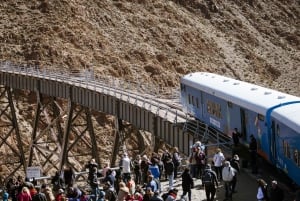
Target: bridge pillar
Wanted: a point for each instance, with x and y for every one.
(11, 138)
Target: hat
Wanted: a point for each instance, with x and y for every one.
(208, 167)
(236, 157)
(227, 163)
(60, 190)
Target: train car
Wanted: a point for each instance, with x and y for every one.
(271, 116)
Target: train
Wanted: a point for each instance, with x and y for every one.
(272, 117)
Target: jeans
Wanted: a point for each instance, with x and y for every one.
(171, 180)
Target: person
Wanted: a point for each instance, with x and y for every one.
(5, 195)
(93, 181)
(152, 183)
(228, 173)
(144, 168)
(126, 163)
(137, 169)
(154, 169)
(187, 183)
(176, 161)
(148, 194)
(156, 197)
(276, 193)
(131, 185)
(169, 169)
(57, 182)
(193, 162)
(209, 182)
(105, 169)
(39, 196)
(262, 190)
(236, 137)
(48, 192)
(200, 161)
(172, 195)
(253, 153)
(110, 193)
(24, 195)
(123, 191)
(109, 177)
(60, 195)
(69, 176)
(218, 160)
(165, 156)
(235, 163)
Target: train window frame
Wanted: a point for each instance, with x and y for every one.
(214, 108)
(278, 130)
(261, 117)
(286, 149)
(193, 101)
(296, 157)
(183, 88)
(189, 98)
(230, 104)
(197, 102)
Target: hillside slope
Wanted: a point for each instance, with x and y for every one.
(158, 40)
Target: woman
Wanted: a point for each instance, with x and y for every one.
(24, 195)
(262, 190)
(187, 183)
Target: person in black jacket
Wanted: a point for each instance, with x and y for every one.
(187, 183)
(235, 163)
(276, 193)
(210, 187)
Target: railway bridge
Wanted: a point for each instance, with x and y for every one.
(62, 108)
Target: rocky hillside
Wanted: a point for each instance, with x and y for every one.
(158, 40)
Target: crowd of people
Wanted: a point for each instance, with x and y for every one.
(139, 179)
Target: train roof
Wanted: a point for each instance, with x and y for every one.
(247, 95)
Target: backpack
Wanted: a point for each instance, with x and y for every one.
(208, 178)
(229, 175)
(265, 192)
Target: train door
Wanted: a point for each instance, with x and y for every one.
(273, 151)
(243, 124)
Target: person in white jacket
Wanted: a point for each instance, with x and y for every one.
(228, 173)
(218, 160)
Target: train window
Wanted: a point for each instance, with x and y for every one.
(261, 117)
(189, 97)
(183, 87)
(286, 149)
(193, 101)
(229, 104)
(214, 109)
(197, 102)
(278, 130)
(296, 157)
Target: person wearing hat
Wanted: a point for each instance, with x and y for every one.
(209, 182)
(276, 193)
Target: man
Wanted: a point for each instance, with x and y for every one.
(276, 193)
(39, 196)
(235, 163)
(209, 182)
(253, 153)
(235, 137)
(228, 174)
(126, 163)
